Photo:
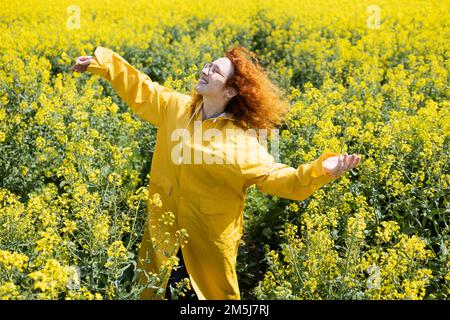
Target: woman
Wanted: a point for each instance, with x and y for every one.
(205, 192)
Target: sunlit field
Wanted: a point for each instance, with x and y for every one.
(364, 77)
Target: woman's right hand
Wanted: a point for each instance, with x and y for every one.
(82, 63)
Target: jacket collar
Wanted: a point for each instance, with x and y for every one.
(225, 115)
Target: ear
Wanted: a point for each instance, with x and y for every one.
(230, 92)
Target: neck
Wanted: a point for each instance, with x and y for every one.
(212, 106)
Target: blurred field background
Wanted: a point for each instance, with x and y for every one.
(365, 77)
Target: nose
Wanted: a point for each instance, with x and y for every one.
(205, 75)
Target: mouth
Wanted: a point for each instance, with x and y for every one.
(203, 81)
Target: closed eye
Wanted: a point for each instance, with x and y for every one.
(217, 69)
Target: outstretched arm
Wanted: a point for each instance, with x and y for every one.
(146, 98)
(295, 183)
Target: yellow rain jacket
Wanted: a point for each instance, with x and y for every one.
(207, 199)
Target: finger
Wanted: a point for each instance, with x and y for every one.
(84, 58)
(345, 162)
(84, 62)
(341, 165)
(81, 60)
(338, 165)
(352, 161)
(356, 161)
(349, 162)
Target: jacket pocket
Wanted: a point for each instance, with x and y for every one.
(223, 220)
(161, 181)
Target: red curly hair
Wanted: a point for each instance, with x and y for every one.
(258, 104)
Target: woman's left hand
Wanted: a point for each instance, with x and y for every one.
(336, 166)
(82, 64)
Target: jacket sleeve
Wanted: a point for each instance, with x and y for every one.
(284, 181)
(146, 98)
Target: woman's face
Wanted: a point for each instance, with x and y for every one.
(213, 78)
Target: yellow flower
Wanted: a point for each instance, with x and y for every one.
(24, 170)
(115, 179)
(40, 142)
(156, 200)
(293, 207)
(113, 108)
(10, 260)
(9, 290)
(387, 231)
(117, 250)
(51, 279)
(69, 226)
